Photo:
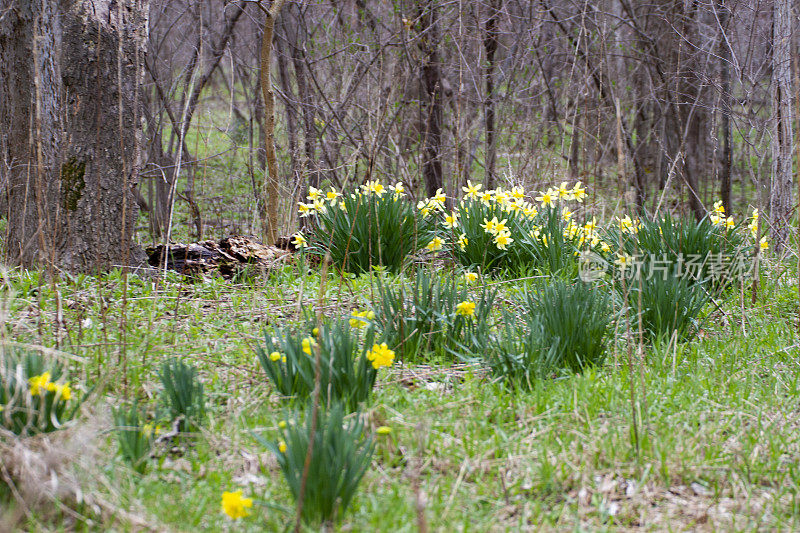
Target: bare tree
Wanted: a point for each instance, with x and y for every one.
(780, 197)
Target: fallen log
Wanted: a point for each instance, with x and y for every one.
(228, 257)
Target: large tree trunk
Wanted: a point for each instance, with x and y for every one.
(70, 128)
(780, 196)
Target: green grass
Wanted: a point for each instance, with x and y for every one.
(718, 430)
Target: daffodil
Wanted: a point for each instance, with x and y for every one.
(380, 355)
(501, 196)
(314, 194)
(305, 209)
(39, 384)
(502, 240)
(490, 226)
(299, 241)
(307, 344)
(564, 193)
(466, 308)
(501, 227)
(282, 447)
(332, 195)
(719, 208)
(375, 187)
(275, 356)
(624, 261)
(451, 220)
(472, 190)
(463, 241)
(545, 198)
(235, 505)
(578, 192)
(435, 244)
(763, 244)
(64, 391)
(470, 277)
(397, 189)
(439, 198)
(360, 319)
(518, 193)
(383, 430)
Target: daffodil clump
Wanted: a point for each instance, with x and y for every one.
(436, 318)
(134, 438)
(513, 230)
(33, 398)
(373, 226)
(713, 251)
(341, 452)
(668, 269)
(348, 355)
(562, 326)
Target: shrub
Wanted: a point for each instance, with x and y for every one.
(347, 369)
(134, 439)
(183, 395)
(34, 397)
(425, 320)
(340, 457)
(371, 227)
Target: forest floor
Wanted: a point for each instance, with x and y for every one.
(716, 446)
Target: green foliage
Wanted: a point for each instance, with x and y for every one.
(575, 317)
(668, 303)
(340, 456)
(562, 327)
(134, 439)
(183, 394)
(549, 244)
(33, 396)
(346, 374)
(477, 248)
(367, 229)
(423, 322)
(698, 251)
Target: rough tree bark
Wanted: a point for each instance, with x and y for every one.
(780, 196)
(432, 82)
(70, 128)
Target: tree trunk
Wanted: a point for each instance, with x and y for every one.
(70, 122)
(432, 82)
(780, 196)
(725, 59)
(490, 45)
(269, 227)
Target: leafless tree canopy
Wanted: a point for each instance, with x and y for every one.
(658, 104)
